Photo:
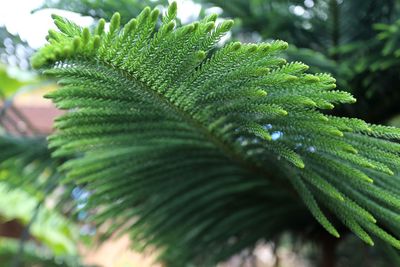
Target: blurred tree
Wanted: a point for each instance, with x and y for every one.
(14, 52)
(104, 8)
(51, 240)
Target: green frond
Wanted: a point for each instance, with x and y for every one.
(182, 139)
(309, 200)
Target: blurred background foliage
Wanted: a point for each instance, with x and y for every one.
(14, 52)
(51, 240)
(358, 41)
(104, 8)
(8, 83)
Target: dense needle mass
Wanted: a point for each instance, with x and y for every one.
(182, 141)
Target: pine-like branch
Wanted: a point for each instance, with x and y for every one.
(198, 152)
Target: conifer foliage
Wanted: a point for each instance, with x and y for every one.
(201, 150)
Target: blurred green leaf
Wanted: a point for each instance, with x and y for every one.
(52, 229)
(8, 84)
(34, 255)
